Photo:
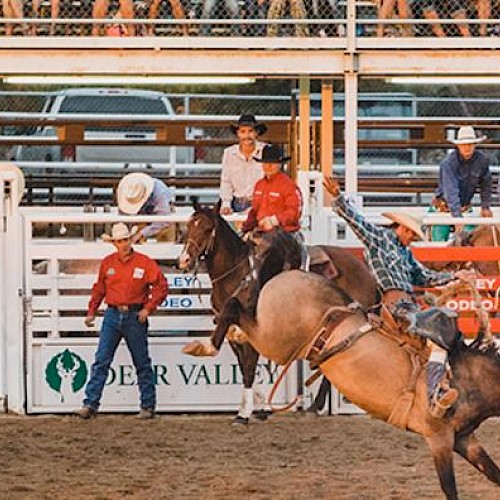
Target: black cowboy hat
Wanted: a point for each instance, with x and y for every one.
(272, 154)
(248, 121)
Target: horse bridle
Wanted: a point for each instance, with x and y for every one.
(201, 255)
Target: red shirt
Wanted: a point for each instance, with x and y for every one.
(278, 196)
(138, 280)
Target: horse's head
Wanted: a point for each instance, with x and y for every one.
(200, 235)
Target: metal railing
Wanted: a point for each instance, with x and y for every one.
(251, 18)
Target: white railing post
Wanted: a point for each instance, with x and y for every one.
(11, 307)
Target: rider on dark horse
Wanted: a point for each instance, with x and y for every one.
(276, 204)
(396, 272)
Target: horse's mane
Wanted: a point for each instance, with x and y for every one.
(490, 351)
(233, 242)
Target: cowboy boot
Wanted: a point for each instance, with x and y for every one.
(441, 395)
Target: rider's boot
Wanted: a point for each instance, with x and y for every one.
(441, 395)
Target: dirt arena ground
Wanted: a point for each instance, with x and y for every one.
(290, 456)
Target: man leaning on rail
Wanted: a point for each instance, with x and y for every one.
(140, 194)
(396, 272)
(461, 173)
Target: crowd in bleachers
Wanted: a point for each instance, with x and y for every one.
(251, 17)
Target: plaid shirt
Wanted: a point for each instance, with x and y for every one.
(391, 262)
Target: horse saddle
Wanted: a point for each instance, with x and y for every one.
(320, 262)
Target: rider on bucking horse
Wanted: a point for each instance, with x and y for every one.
(396, 272)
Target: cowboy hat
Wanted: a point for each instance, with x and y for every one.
(133, 191)
(408, 221)
(9, 167)
(467, 135)
(119, 231)
(272, 154)
(248, 121)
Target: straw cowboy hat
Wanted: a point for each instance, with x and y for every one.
(407, 221)
(9, 167)
(272, 154)
(467, 135)
(133, 191)
(119, 231)
(248, 121)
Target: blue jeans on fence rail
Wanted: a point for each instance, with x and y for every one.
(115, 326)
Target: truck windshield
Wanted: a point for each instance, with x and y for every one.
(113, 105)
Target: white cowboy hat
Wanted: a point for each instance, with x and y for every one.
(407, 221)
(467, 135)
(133, 191)
(7, 166)
(119, 231)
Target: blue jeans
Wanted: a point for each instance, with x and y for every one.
(115, 326)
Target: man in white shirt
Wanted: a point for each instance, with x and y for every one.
(240, 171)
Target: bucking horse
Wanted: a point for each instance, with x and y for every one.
(237, 269)
(304, 316)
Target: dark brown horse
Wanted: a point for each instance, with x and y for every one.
(232, 268)
(376, 371)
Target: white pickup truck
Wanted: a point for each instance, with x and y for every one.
(108, 102)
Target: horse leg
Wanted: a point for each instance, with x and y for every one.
(471, 449)
(229, 315)
(247, 360)
(320, 400)
(441, 446)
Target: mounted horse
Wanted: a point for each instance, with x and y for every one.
(233, 268)
(303, 316)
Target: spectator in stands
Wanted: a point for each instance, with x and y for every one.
(460, 174)
(100, 11)
(141, 194)
(240, 170)
(232, 8)
(12, 9)
(387, 10)
(277, 11)
(177, 11)
(132, 286)
(255, 9)
(483, 11)
(324, 9)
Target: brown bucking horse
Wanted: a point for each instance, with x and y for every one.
(233, 269)
(376, 371)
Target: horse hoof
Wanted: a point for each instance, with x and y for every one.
(262, 415)
(240, 421)
(197, 348)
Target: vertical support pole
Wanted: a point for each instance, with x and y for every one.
(326, 133)
(12, 355)
(351, 104)
(351, 133)
(304, 152)
(305, 124)
(3, 295)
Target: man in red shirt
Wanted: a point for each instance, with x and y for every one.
(276, 200)
(133, 286)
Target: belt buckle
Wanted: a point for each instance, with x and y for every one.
(123, 309)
